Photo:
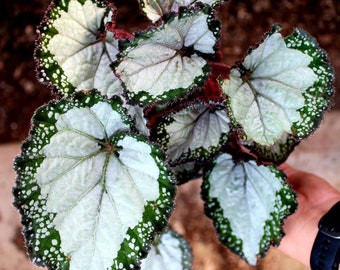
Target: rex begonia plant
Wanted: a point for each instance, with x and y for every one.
(137, 114)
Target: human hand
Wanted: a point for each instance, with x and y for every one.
(315, 197)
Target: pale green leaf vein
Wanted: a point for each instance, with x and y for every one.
(75, 165)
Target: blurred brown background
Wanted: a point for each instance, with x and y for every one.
(243, 24)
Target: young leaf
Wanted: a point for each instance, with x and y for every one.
(155, 9)
(165, 63)
(74, 51)
(194, 133)
(247, 204)
(266, 91)
(92, 195)
(169, 252)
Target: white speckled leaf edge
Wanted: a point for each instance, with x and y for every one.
(318, 96)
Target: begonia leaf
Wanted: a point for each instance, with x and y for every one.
(266, 90)
(167, 62)
(247, 204)
(91, 193)
(187, 171)
(194, 133)
(74, 51)
(282, 103)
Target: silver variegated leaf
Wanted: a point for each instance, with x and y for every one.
(165, 63)
(170, 251)
(268, 89)
(247, 204)
(194, 133)
(92, 195)
(155, 9)
(74, 50)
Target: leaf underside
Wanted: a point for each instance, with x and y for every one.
(247, 204)
(105, 193)
(74, 50)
